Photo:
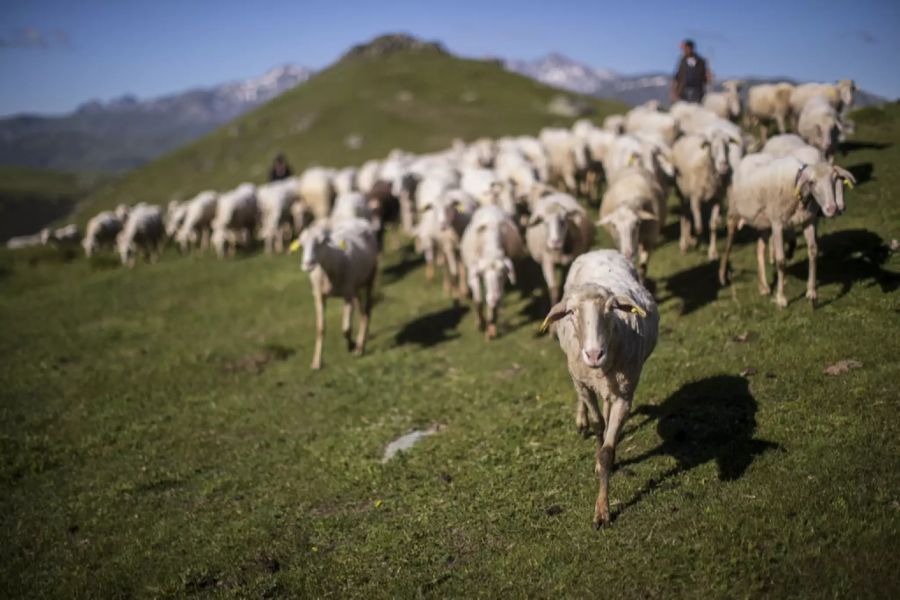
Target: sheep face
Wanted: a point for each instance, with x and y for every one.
(494, 272)
(824, 183)
(592, 309)
(624, 225)
(556, 226)
(313, 239)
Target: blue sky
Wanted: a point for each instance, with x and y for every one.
(55, 54)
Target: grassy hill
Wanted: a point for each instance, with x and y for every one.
(418, 101)
(162, 435)
(31, 198)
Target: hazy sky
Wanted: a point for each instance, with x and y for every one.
(55, 54)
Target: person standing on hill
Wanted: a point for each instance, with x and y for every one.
(280, 169)
(689, 82)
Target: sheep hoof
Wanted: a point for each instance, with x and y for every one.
(491, 332)
(316, 365)
(781, 301)
(813, 298)
(601, 520)
(764, 290)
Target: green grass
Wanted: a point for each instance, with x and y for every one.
(32, 198)
(415, 101)
(162, 434)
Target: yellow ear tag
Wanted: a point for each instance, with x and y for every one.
(631, 160)
(342, 244)
(848, 183)
(295, 245)
(638, 311)
(797, 193)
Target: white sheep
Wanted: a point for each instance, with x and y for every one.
(488, 189)
(820, 125)
(607, 324)
(772, 194)
(790, 144)
(341, 261)
(633, 211)
(567, 157)
(345, 180)
(614, 124)
(558, 231)
(727, 103)
(438, 234)
(175, 212)
(61, 237)
(316, 189)
(489, 244)
(143, 231)
(235, 220)
(702, 170)
(767, 102)
(196, 225)
(661, 124)
(352, 205)
(367, 175)
(275, 201)
(839, 95)
(101, 232)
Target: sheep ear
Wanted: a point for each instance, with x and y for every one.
(510, 271)
(295, 245)
(624, 304)
(605, 220)
(559, 311)
(802, 181)
(535, 220)
(845, 175)
(646, 215)
(704, 144)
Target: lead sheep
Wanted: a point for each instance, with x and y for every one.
(558, 231)
(772, 194)
(341, 262)
(607, 324)
(488, 246)
(143, 232)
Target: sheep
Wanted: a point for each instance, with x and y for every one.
(512, 166)
(345, 180)
(274, 201)
(633, 211)
(101, 232)
(566, 157)
(197, 221)
(316, 189)
(607, 324)
(558, 231)
(789, 144)
(143, 231)
(820, 126)
(534, 151)
(235, 220)
(444, 219)
(626, 151)
(643, 120)
(489, 244)
(486, 188)
(367, 175)
(839, 95)
(702, 169)
(352, 205)
(614, 124)
(341, 261)
(61, 237)
(768, 101)
(772, 194)
(175, 212)
(727, 103)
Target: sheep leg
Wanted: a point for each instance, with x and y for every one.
(606, 457)
(475, 285)
(643, 259)
(428, 250)
(491, 332)
(778, 241)
(779, 118)
(697, 214)
(764, 288)
(729, 241)
(463, 282)
(320, 330)
(812, 251)
(549, 270)
(346, 328)
(713, 252)
(583, 399)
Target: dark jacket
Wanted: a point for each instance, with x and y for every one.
(690, 78)
(280, 171)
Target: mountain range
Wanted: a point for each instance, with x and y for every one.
(125, 132)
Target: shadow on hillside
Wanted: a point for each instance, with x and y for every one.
(847, 147)
(710, 419)
(432, 328)
(696, 287)
(849, 257)
(862, 172)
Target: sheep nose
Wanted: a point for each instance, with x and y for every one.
(593, 357)
(554, 244)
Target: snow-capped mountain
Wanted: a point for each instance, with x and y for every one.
(123, 132)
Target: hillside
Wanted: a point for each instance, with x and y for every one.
(31, 198)
(162, 435)
(410, 99)
(125, 132)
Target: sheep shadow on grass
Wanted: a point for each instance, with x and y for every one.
(847, 147)
(409, 261)
(862, 172)
(710, 419)
(696, 287)
(848, 257)
(432, 328)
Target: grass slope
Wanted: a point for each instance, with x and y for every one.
(31, 198)
(162, 435)
(410, 100)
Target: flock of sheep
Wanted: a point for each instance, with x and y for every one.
(475, 210)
